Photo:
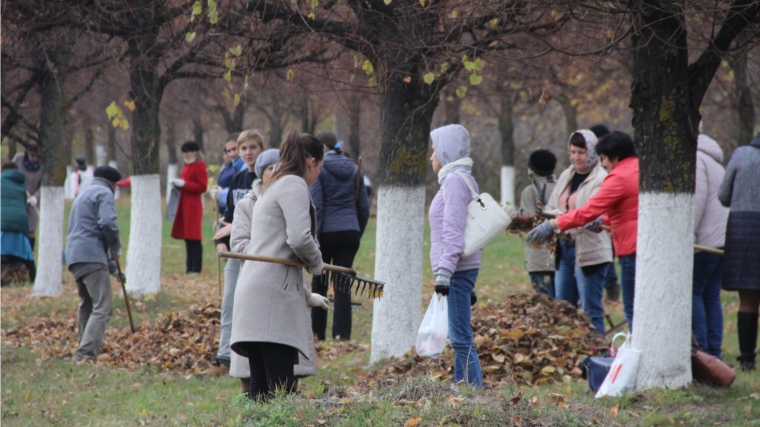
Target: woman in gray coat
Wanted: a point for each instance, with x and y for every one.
(268, 316)
(740, 192)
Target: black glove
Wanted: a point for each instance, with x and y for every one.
(442, 285)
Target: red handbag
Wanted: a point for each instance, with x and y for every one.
(710, 370)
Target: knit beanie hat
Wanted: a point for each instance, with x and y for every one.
(108, 173)
(542, 162)
(600, 130)
(81, 163)
(592, 158)
(190, 146)
(265, 159)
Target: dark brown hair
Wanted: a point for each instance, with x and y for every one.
(9, 165)
(328, 138)
(578, 140)
(295, 151)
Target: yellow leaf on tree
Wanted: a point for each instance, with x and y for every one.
(428, 78)
(197, 8)
(228, 75)
(387, 1)
(422, 3)
(291, 75)
(461, 91)
(213, 17)
(407, 79)
(237, 99)
(130, 105)
(475, 79)
(237, 50)
(189, 36)
(226, 94)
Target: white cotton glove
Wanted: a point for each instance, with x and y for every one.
(179, 183)
(215, 192)
(317, 300)
(318, 269)
(31, 201)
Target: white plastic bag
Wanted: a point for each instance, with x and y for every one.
(431, 337)
(622, 374)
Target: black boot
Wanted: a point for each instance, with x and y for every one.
(746, 325)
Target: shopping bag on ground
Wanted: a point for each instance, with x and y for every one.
(622, 374)
(431, 337)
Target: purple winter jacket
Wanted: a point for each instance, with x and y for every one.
(447, 221)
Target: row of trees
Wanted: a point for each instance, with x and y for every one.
(409, 56)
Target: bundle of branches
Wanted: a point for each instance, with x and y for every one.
(529, 339)
(178, 341)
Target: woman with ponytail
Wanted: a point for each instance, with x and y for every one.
(269, 311)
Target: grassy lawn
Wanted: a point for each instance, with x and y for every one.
(39, 392)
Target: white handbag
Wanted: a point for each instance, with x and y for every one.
(485, 220)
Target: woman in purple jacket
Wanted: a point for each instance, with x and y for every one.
(454, 276)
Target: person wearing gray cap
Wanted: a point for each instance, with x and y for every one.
(92, 246)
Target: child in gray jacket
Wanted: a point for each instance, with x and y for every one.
(93, 234)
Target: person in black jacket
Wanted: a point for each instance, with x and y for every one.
(342, 215)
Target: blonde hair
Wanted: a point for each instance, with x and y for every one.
(251, 135)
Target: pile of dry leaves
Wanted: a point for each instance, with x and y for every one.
(521, 225)
(529, 338)
(184, 341)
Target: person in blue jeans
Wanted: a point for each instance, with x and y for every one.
(455, 275)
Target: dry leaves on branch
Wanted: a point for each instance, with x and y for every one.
(521, 225)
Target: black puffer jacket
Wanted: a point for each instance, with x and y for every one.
(333, 196)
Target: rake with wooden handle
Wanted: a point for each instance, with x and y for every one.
(344, 279)
(126, 299)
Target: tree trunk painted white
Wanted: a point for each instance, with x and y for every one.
(49, 280)
(398, 262)
(100, 155)
(508, 185)
(662, 304)
(171, 173)
(144, 252)
(116, 192)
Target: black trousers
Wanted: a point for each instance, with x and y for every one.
(194, 249)
(337, 248)
(271, 367)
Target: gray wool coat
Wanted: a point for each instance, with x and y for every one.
(270, 299)
(240, 238)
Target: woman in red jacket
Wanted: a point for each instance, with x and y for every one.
(616, 204)
(187, 224)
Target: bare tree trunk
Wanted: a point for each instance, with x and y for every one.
(198, 131)
(406, 116)
(570, 108)
(11, 149)
(507, 130)
(743, 104)
(451, 107)
(89, 145)
(112, 144)
(275, 131)
(171, 144)
(354, 125)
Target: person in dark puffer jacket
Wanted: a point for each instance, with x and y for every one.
(341, 220)
(16, 249)
(740, 191)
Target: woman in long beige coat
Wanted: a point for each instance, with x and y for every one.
(268, 316)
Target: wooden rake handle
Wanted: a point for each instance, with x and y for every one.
(285, 261)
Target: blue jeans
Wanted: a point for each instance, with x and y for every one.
(591, 290)
(565, 285)
(707, 313)
(628, 283)
(543, 282)
(466, 362)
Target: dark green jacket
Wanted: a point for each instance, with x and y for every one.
(13, 202)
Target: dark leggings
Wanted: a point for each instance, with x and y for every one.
(337, 248)
(194, 250)
(271, 367)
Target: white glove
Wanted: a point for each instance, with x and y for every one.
(317, 300)
(31, 201)
(179, 183)
(215, 192)
(318, 269)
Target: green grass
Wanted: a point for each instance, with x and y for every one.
(39, 392)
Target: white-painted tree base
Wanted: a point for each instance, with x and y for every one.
(116, 192)
(508, 185)
(662, 304)
(49, 280)
(144, 252)
(171, 174)
(398, 263)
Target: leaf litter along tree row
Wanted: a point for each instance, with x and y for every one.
(528, 338)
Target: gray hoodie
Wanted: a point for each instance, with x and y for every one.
(93, 230)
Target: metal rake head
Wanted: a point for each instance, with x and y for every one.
(345, 283)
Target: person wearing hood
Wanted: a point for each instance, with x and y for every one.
(710, 218)
(455, 276)
(614, 204)
(16, 248)
(740, 192)
(187, 223)
(539, 262)
(342, 215)
(92, 246)
(28, 163)
(582, 257)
